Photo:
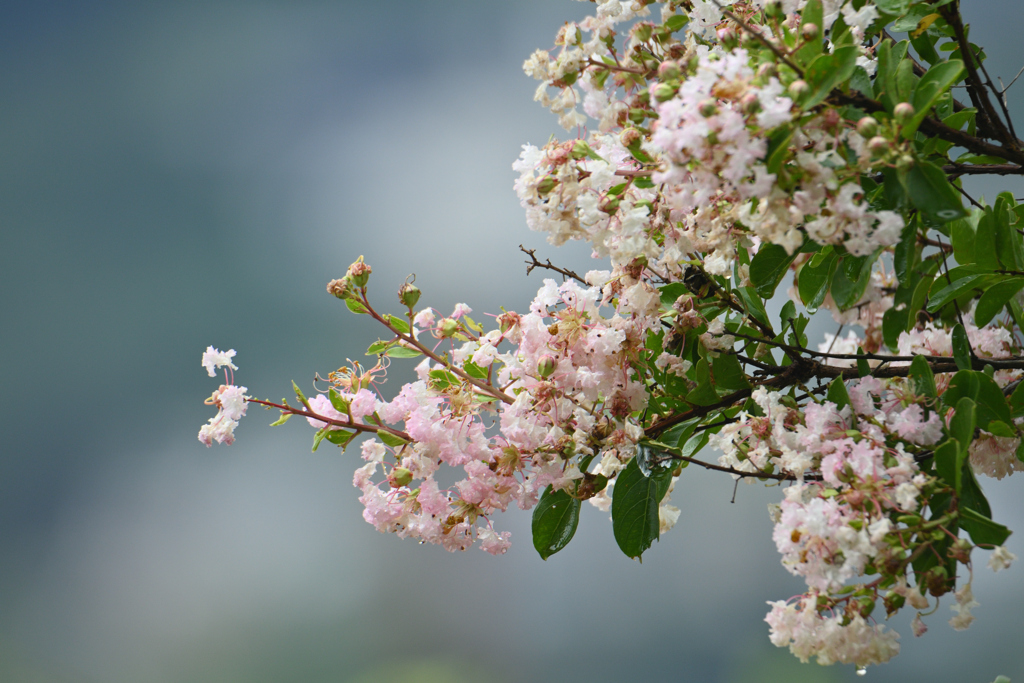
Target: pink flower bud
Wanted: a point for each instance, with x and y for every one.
(708, 108)
(399, 477)
(546, 365)
(867, 126)
(809, 31)
(903, 111)
(878, 146)
(798, 88)
(630, 137)
(668, 70)
(663, 92)
(448, 327)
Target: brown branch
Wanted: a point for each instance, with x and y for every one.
(955, 169)
(975, 86)
(534, 263)
(348, 424)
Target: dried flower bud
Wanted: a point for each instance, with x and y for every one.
(359, 273)
(867, 126)
(341, 288)
(408, 294)
(546, 365)
(630, 137)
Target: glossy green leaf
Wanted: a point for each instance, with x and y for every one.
(932, 85)
(635, 501)
(983, 530)
(826, 72)
(340, 437)
(963, 237)
(728, 373)
(768, 267)
(954, 290)
(922, 378)
(838, 394)
(555, 519)
(704, 394)
(814, 281)
(995, 298)
(961, 427)
(947, 463)
(676, 22)
(961, 347)
(397, 351)
(390, 439)
(340, 404)
(931, 193)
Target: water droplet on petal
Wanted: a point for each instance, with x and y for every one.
(862, 670)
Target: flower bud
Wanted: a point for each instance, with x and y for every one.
(448, 327)
(903, 111)
(630, 137)
(341, 288)
(727, 37)
(637, 115)
(809, 31)
(750, 103)
(668, 70)
(399, 477)
(799, 88)
(359, 273)
(546, 365)
(867, 126)
(708, 108)
(546, 184)
(642, 32)
(663, 92)
(408, 294)
(609, 205)
(878, 146)
(507, 320)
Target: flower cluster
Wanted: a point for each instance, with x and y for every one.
(229, 399)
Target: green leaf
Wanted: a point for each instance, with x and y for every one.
(814, 280)
(947, 463)
(752, 304)
(474, 370)
(778, 147)
(922, 378)
(340, 404)
(397, 323)
(995, 298)
(390, 439)
(971, 495)
(932, 194)
(985, 250)
(954, 290)
(300, 395)
(281, 420)
(962, 236)
(838, 394)
(319, 436)
(676, 22)
(850, 280)
(769, 266)
(961, 427)
(728, 373)
(704, 394)
(863, 369)
(554, 521)
(340, 437)
(932, 85)
(355, 306)
(983, 530)
(905, 255)
(826, 72)
(635, 501)
(961, 347)
(397, 351)
(894, 323)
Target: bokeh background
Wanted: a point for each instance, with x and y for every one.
(179, 174)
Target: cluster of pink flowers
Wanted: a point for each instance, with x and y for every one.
(229, 399)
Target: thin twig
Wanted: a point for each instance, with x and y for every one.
(534, 263)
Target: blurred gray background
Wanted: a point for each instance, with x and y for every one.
(174, 175)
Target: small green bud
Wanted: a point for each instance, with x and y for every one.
(903, 111)
(799, 88)
(399, 477)
(547, 184)
(408, 294)
(708, 108)
(448, 327)
(668, 70)
(867, 606)
(663, 92)
(878, 146)
(637, 115)
(867, 126)
(546, 365)
(609, 205)
(750, 103)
